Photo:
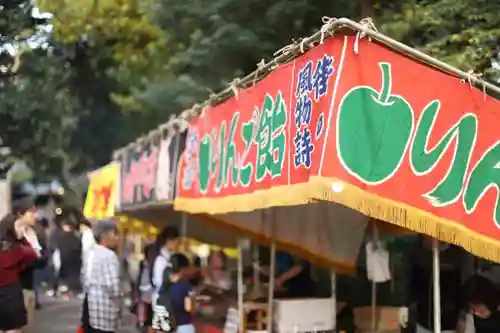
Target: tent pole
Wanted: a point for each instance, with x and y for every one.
(333, 282)
(436, 285)
(270, 295)
(256, 268)
(184, 231)
(375, 242)
(241, 313)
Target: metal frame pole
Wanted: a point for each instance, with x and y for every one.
(256, 268)
(333, 281)
(270, 294)
(436, 285)
(241, 312)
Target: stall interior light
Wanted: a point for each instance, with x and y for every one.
(58, 211)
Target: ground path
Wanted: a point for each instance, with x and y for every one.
(62, 316)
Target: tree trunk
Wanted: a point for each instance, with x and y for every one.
(366, 8)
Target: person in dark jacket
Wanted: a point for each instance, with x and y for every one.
(40, 267)
(144, 290)
(482, 300)
(70, 250)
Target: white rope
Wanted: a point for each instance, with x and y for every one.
(367, 24)
(471, 77)
(285, 49)
(325, 28)
(302, 45)
(275, 64)
(260, 65)
(234, 86)
(194, 111)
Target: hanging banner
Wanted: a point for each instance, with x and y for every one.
(171, 147)
(250, 149)
(355, 123)
(102, 194)
(138, 175)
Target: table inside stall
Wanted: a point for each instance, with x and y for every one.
(310, 314)
(214, 312)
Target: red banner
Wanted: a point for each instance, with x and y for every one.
(256, 141)
(362, 126)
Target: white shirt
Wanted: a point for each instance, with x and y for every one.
(88, 241)
(32, 238)
(102, 286)
(161, 262)
(223, 281)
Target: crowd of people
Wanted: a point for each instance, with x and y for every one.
(84, 263)
(73, 258)
(34, 252)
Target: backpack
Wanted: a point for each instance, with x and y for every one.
(163, 314)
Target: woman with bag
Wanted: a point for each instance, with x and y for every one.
(15, 254)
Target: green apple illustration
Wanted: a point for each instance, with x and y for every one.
(373, 130)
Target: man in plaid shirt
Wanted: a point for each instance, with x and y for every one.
(101, 276)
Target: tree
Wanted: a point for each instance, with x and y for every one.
(211, 43)
(463, 33)
(113, 41)
(38, 114)
(36, 108)
(57, 113)
(118, 68)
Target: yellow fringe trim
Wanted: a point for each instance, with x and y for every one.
(404, 216)
(286, 195)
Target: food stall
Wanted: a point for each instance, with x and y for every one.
(339, 130)
(147, 191)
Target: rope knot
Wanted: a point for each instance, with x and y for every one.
(260, 66)
(366, 24)
(285, 49)
(326, 27)
(472, 78)
(234, 85)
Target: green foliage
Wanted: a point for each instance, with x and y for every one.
(38, 114)
(212, 42)
(118, 68)
(463, 33)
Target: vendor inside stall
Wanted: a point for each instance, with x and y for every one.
(454, 264)
(218, 277)
(482, 298)
(292, 275)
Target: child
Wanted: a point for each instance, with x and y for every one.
(144, 290)
(175, 305)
